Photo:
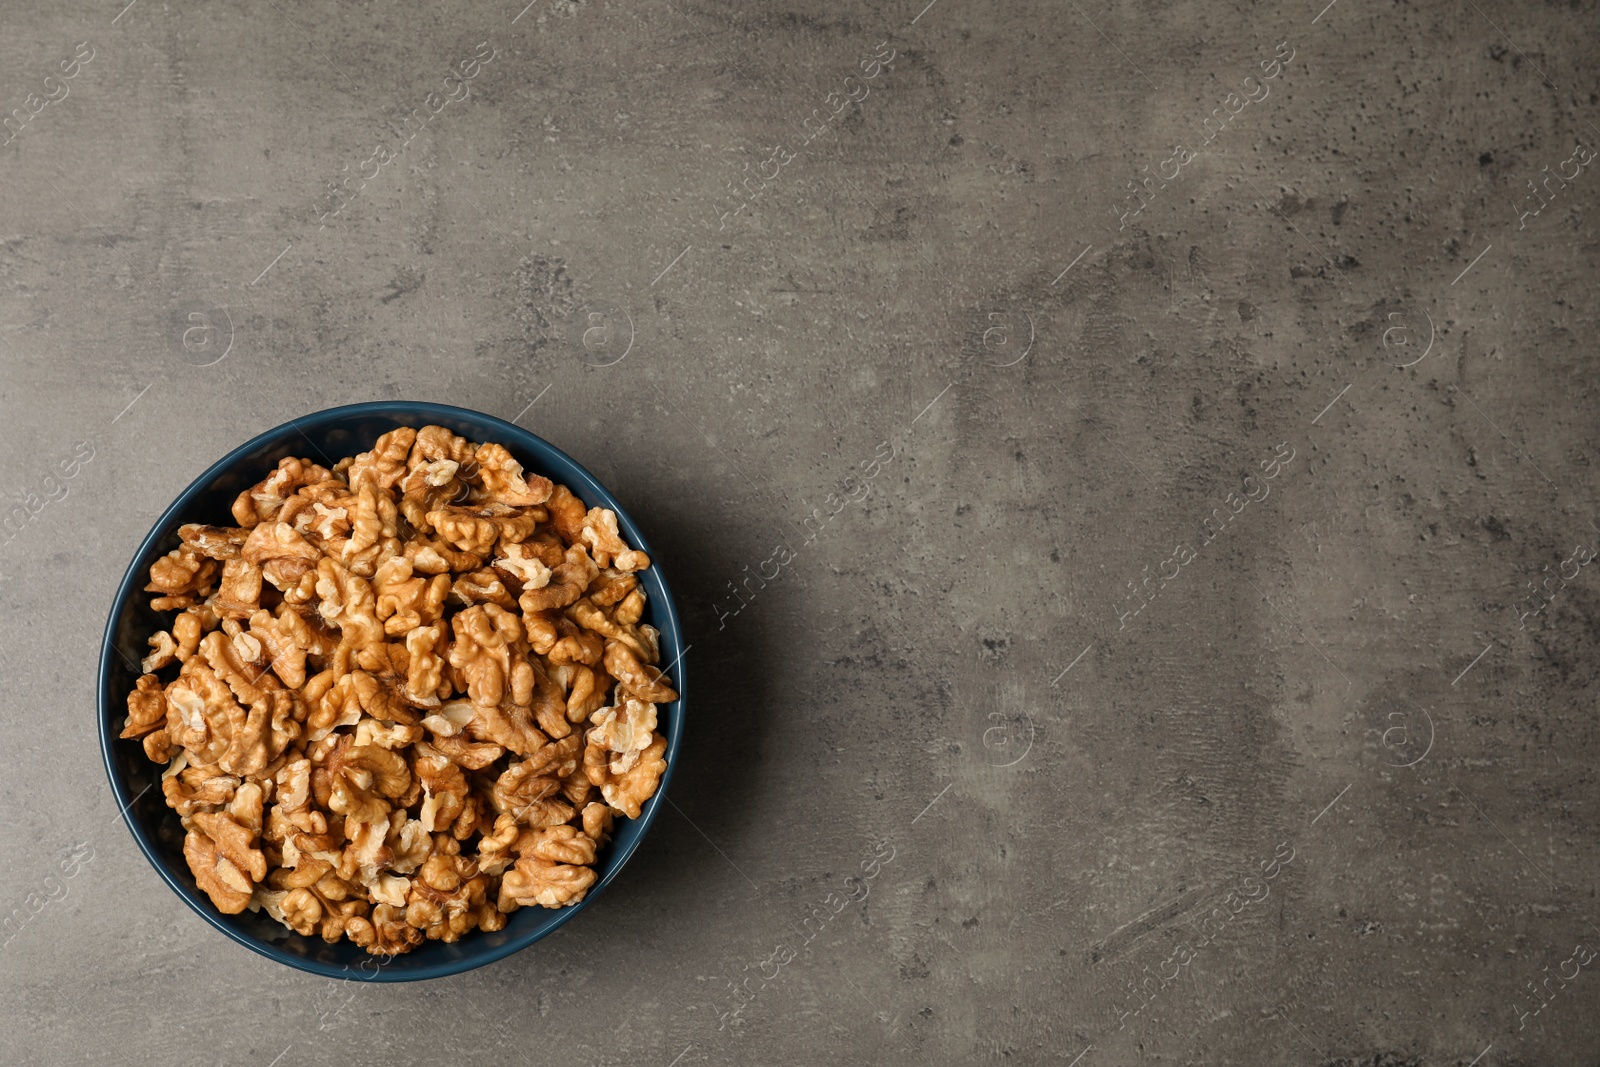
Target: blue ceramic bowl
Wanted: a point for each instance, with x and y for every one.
(325, 437)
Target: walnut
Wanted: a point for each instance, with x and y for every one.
(559, 758)
(348, 602)
(337, 918)
(422, 497)
(374, 524)
(620, 625)
(425, 914)
(301, 509)
(298, 513)
(586, 613)
(586, 692)
(361, 933)
(507, 726)
(546, 546)
(163, 650)
(482, 651)
(631, 610)
(542, 630)
(476, 529)
(490, 917)
(561, 641)
(451, 724)
(606, 546)
(306, 871)
(196, 789)
(550, 885)
(552, 811)
(240, 591)
(446, 897)
(577, 788)
(248, 652)
(560, 844)
(522, 562)
(286, 639)
(182, 571)
(268, 728)
(363, 779)
(436, 442)
(566, 514)
(277, 541)
(158, 746)
(597, 820)
(355, 694)
(457, 916)
(239, 663)
(628, 791)
(482, 586)
(179, 602)
(358, 861)
(425, 683)
(436, 557)
(567, 582)
(294, 785)
(549, 704)
(585, 689)
(228, 887)
(388, 888)
(536, 777)
(261, 502)
(448, 720)
(394, 736)
(639, 679)
(411, 845)
(472, 755)
(187, 629)
(405, 601)
(387, 931)
(392, 663)
(494, 847)
(328, 523)
(597, 764)
(430, 475)
(232, 838)
(296, 579)
(302, 911)
(576, 646)
(215, 542)
(202, 714)
(385, 465)
(503, 479)
(446, 795)
(514, 791)
(147, 707)
(610, 587)
(650, 638)
(622, 733)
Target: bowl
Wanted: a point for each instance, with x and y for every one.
(325, 437)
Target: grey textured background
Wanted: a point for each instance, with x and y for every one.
(941, 670)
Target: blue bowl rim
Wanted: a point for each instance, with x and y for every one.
(132, 583)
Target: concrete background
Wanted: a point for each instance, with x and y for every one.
(1338, 695)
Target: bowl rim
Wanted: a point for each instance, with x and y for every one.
(132, 583)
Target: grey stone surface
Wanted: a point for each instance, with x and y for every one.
(950, 667)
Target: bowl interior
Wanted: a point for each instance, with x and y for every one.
(326, 437)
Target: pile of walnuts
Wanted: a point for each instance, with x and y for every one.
(403, 697)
